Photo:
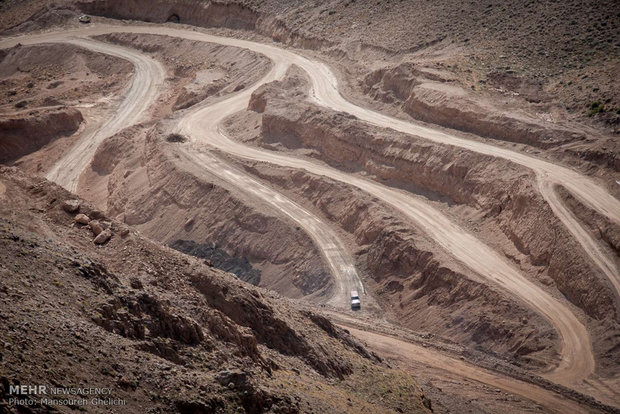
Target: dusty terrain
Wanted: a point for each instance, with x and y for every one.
(47, 91)
(463, 180)
(164, 330)
(461, 190)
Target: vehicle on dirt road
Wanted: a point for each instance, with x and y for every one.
(355, 300)
(84, 19)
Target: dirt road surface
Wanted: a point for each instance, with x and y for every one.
(201, 124)
(146, 84)
(413, 357)
(331, 247)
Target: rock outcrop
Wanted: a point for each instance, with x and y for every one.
(173, 334)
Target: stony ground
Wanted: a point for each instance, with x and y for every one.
(539, 78)
(166, 332)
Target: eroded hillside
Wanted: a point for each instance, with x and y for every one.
(459, 173)
(164, 330)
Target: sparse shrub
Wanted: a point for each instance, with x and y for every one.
(595, 108)
(176, 138)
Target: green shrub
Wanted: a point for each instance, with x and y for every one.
(596, 107)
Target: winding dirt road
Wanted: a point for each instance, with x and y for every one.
(146, 84)
(325, 92)
(201, 124)
(327, 241)
(401, 351)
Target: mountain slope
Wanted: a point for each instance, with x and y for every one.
(162, 329)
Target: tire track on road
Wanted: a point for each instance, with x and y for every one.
(577, 361)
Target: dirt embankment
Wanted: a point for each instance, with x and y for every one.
(18, 16)
(436, 101)
(45, 92)
(507, 211)
(168, 199)
(57, 74)
(415, 285)
(232, 15)
(22, 135)
(197, 70)
(161, 329)
(510, 201)
(219, 259)
(604, 229)
(192, 12)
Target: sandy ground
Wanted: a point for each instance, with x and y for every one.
(332, 249)
(441, 370)
(201, 124)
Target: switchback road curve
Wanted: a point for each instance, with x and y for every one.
(201, 124)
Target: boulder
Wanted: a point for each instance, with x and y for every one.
(103, 237)
(71, 206)
(235, 377)
(96, 227)
(81, 219)
(97, 215)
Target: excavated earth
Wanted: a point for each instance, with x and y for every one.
(137, 177)
(174, 332)
(502, 210)
(169, 200)
(46, 91)
(162, 329)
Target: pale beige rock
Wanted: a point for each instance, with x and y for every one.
(103, 237)
(71, 206)
(82, 219)
(96, 227)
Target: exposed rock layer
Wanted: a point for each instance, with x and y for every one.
(23, 135)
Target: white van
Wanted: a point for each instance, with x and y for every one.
(355, 300)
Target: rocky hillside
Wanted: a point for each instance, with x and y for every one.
(410, 277)
(162, 329)
(566, 49)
